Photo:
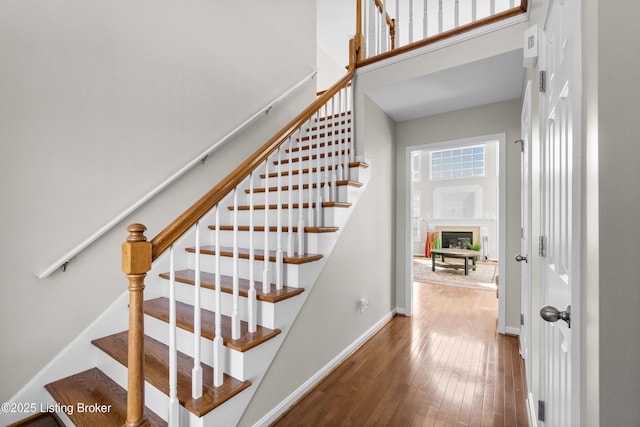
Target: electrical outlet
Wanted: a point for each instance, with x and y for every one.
(364, 304)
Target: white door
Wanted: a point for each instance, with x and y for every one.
(560, 122)
(525, 234)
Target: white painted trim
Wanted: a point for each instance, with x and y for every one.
(531, 411)
(502, 234)
(280, 409)
(450, 41)
(512, 331)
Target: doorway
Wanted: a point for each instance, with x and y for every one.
(449, 186)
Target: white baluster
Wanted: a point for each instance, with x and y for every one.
(474, 11)
(347, 137)
(290, 245)
(492, 7)
(319, 220)
(300, 200)
(383, 35)
(332, 184)
(410, 21)
(339, 172)
(425, 19)
(196, 373)
(266, 288)
(371, 51)
(327, 174)
(352, 149)
(279, 253)
(440, 25)
(218, 342)
(311, 212)
(456, 14)
(174, 404)
(235, 314)
(252, 314)
(512, 4)
(398, 26)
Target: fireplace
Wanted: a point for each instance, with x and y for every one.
(456, 239)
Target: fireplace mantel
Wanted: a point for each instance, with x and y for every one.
(459, 222)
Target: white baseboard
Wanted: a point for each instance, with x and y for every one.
(280, 409)
(510, 330)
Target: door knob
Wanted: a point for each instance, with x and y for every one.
(521, 258)
(551, 314)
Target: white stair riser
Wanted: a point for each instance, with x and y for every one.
(159, 330)
(313, 241)
(186, 293)
(327, 213)
(155, 399)
(287, 196)
(291, 276)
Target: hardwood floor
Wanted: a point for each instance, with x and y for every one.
(445, 366)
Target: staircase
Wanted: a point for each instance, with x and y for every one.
(263, 248)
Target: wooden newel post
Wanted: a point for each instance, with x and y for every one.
(136, 262)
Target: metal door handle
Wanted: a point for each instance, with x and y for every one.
(521, 258)
(551, 314)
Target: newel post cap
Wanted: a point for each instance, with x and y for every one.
(136, 251)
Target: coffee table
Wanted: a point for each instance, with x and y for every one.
(466, 254)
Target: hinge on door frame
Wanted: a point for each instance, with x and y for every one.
(541, 410)
(521, 319)
(541, 248)
(542, 88)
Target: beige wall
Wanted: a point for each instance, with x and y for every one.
(503, 117)
(616, 103)
(101, 102)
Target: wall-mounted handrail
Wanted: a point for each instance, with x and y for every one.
(63, 260)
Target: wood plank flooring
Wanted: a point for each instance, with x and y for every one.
(445, 366)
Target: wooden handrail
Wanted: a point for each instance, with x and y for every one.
(454, 32)
(184, 222)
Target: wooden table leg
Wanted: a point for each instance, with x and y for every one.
(433, 262)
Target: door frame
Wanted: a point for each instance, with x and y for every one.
(501, 219)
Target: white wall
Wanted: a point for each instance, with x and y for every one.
(100, 102)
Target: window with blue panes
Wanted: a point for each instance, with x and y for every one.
(457, 163)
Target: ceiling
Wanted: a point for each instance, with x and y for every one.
(494, 79)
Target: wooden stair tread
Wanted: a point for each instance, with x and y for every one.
(339, 183)
(274, 206)
(273, 229)
(243, 253)
(159, 308)
(207, 280)
(42, 419)
(355, 164)
(94, 387)
(156, 370)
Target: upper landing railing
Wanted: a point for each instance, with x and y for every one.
(387, 27)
